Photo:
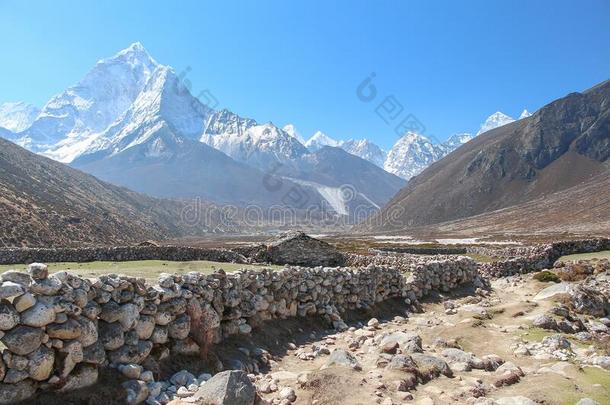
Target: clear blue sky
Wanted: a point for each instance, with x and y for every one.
(450, 63)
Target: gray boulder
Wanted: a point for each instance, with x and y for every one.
(39, 315)
(408, 342)
(226, 388)
(431, 366)
(23, 340)
(343, 358)
(9, 318)
(9, 289)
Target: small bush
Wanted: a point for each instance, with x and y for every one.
(547, 276)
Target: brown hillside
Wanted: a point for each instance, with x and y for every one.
(563, 145)
(46, 203)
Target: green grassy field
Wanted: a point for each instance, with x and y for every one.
(148, 269)
(604, 254)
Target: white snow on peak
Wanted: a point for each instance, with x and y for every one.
(411, 154)
(319, 140)
(525, 114)
(18, 116)
(92, 105)
(457, 140)
(246, 141)
(292, 130)
(495, 120)
(162, 103)
(366, 150)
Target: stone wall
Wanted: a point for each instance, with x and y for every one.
(540, 257)
(59, 329)
(122, 253)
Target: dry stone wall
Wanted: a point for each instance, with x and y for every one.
(121, 253)
(540, 257)
(59, 329)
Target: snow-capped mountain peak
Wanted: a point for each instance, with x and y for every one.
(319, 140)
(457, 140)
(292, 130)
(366, 150)
(94, 103)
(525, 114)
(411, 154)
(495, 120)
(17, 116)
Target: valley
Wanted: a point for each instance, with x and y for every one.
(305, 203)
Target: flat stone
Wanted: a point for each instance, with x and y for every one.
(9, 289)
(23, 340)
(15, 276)
(519, 400)
(70, 329)
(131, 353)
(555, 289)
(24, 302)
(82, 376)
(48, 286)
(39, 315)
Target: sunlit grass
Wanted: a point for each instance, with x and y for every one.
(604, 254)
(148, 269)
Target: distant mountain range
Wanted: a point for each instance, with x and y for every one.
(517, 168)
(411, 154)
(132, 121)
(131, 101)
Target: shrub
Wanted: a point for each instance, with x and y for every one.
(547, 276)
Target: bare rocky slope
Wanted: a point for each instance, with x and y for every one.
(582, 209)
(46, 203)
(564, 144)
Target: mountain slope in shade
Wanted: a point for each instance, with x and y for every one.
(168, 165)
(17, 116)
(361, 186)
(46, 203)
(561, 145)
(578, 210)
(366, 150)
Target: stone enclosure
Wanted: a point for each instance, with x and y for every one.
(58, 330)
